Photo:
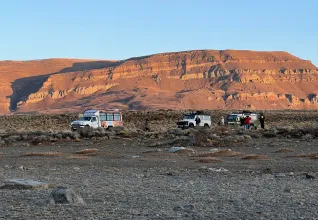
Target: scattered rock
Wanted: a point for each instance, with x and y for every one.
(178, 208)
(64, 195)
(221, 153)
(24, 184)
(186, 150)
(279, 174)
(183, 208)
(247, 137)
(307, 137)
(172, 173)
(203, 169)
(152, 151)
(175, 149)
(214, 150)
(214, 136)
(131, 156)
(308, 176)
(221, 169)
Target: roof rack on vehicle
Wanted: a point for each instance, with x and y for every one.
(247, 111)
(200, 112)
(112, 109)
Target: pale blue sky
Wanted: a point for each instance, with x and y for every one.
(36, 29)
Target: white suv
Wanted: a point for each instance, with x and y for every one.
(189, 120)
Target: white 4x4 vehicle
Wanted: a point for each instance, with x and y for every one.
(189, 120)
(235, 118)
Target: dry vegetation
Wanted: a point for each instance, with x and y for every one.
(311, 156)
(209, 160)
(43, 154)
(38, 129)
(221, 153)
(285, 150)
(134, 119)
(255, 157)
(137, 162)
(92, 151)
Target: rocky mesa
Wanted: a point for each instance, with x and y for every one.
(201, 79)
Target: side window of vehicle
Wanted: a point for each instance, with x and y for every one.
(110, 117)
(116, 117)
(103, 117)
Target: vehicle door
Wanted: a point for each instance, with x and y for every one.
(110, 119)
(202, 118)
(94, 122)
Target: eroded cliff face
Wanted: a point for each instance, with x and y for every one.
(19, 79)
(204, 79)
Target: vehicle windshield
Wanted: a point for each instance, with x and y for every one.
(85, 118)
(231, 117)
(188, 116)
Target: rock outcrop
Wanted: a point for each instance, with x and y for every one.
(64, 195)
(203, 79)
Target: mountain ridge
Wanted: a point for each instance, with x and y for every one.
(211, 79)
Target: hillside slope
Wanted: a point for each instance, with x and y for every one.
(204, 79)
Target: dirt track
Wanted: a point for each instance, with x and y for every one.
(163, 185)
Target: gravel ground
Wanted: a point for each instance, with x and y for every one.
(163, 185)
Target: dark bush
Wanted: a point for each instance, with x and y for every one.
(269, 134)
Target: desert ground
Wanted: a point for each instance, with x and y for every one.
(126, 173)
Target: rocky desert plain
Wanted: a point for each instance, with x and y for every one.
(221, 172)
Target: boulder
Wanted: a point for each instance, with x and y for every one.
(64, 195)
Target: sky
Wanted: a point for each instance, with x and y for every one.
(113, 30)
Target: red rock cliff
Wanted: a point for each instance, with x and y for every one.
(205, 79)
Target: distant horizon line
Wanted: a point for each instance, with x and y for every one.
(152, 54)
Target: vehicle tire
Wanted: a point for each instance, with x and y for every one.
(191, 125)
(253, 127)
(206, 126)
(110, 128)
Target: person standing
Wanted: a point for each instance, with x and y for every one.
(247, 122)
(146, 125)
(242, 121)
(262, 120)
(222, 121)
(197, 121)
